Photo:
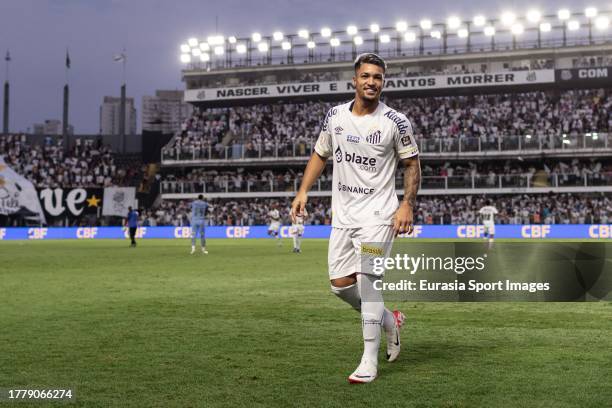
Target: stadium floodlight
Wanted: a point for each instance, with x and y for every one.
(205, 57)
(602, 22)
(385, 38)
(232, 40)
(256, 37)
(311, 44)
(590, 12)
(410, 36)
(534, 16)
(241, 48)
(425, 24)
(185, 58)
(453, 22)
(185, 48)
(334, 42)
(219, 50)
(358, 40)
(489, 31)
(196, 52)
(374, 28)
(286, 45)
(508, 18)
(573, 25)
(401, 26)
(563, 14)
(204, 46)
(263, 47)
(193, 42)
(462, 33)
(517, 29)
(545, 27)
(480, 20)
(216, 39)
(303, 33)
(326, 32)
(351, 30)
(278, 36)
(436, 34)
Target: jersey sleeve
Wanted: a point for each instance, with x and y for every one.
(405, 144)
(324, 145)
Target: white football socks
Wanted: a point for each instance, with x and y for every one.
(372, 311)
(350, 294)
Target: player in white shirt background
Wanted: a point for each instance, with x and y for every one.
(366, 139)
(297, 231)
(274, 222)
(487, 216)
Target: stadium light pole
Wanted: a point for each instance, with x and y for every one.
(564, 15)
(590, 13)
(5, 115)
(400, 28)
(469, 37)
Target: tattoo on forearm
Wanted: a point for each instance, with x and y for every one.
(412, 180)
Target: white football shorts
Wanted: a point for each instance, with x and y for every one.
(347, 245)
(274, 226)
(297, 230)
(489, 227)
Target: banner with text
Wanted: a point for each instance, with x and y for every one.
(391, 85)
(578, 231)
(70, 202)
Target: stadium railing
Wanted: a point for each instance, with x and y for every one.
(450, 183)
(500, 144)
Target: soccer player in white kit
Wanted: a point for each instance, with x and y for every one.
(366, 140)
(297, 231)
(275, 222)
(487, 215)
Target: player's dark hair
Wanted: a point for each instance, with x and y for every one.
(200, 197)
(370, 58)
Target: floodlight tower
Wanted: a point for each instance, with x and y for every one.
(5, 116)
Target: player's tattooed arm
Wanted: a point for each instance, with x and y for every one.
(404, 217)
(412, 179)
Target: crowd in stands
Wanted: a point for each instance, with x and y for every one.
(434, 209)
(87, 163)
(592, 61)
(482, 116)
(286, 179)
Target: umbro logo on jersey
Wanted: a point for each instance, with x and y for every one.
(374, 138)
(352, 139)
(338, 130)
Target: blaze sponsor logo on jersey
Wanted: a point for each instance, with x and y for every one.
(355, 189)
(352, 139)
(402, 124)
(364, 163)
(338, 130)
(374, 138)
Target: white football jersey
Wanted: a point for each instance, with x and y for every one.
(274, 215)
(488, 213)
(366, 150)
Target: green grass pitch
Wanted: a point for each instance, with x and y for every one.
(254, 325)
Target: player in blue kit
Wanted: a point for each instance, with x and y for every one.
(198, 212)
(132, 224)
